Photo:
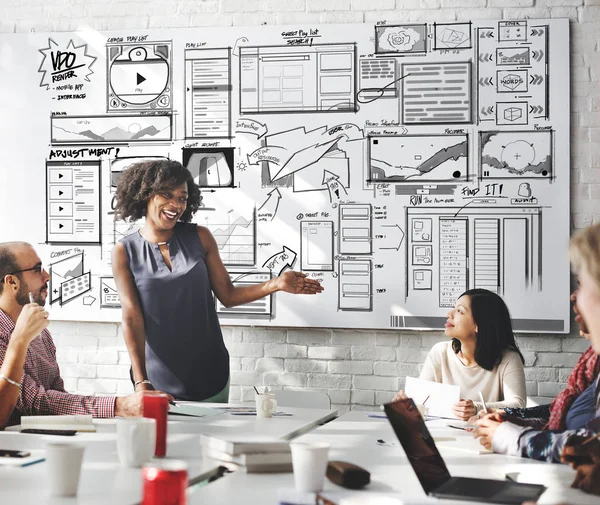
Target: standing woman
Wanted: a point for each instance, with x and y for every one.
(482, 355)
(166, 274)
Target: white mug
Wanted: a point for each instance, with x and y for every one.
(265, 405)
(63, 462)
(136, 438)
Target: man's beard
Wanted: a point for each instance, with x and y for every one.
(23, 296)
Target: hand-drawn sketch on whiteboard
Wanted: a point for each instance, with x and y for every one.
(307, 160)
(355, 229)
(109, 297)
(401, 39)
(260, 309)
(235, 234)
(377, 76)
(279, 79)
(316, 246)
(451, 36)
(476, 248)
(139, 76)
(68, 279)
(516, 154)
(512, 73)
(114, 129)
(355, 285)
(208, 93)
(210, 167)
(396, 164)
(436, 93)
(73, 204)
(60, 64)
(418, 158)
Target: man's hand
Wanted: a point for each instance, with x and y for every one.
(464, 409)
(486, 427)
(297, 283)
(588, 478)
(400, 395)
(132, 405)
(576, 453)
(30, 323)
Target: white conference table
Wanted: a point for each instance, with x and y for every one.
(353, 438)
(104, 481)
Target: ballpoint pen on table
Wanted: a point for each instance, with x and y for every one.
(485, 409)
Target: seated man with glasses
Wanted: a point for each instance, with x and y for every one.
(30, 382)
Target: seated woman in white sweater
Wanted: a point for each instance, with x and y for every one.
(482, 355)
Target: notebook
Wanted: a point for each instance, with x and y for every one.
(432, 472)
(68, 422)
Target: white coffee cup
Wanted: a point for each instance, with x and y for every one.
(265, 405)
(136, 439)
(310, 463)
(63, 462)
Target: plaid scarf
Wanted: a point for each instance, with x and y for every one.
(583, 375)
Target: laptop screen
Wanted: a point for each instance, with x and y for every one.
(418, 443)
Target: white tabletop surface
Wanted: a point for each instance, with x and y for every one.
(353, 438)
(104, 481)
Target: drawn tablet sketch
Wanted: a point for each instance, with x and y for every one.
(397, 164)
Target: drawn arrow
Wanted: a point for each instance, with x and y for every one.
(458, 211)
(536, 109)
(395, 234)
(537, 32)
(88, 300)
(281, 260)
(333, 185)
(487, 34)
(272, 154)
(486, 111)
(536, 79)
(538, 55)
(485, 57)
(251, 127)
(486, 81)
(271, 204)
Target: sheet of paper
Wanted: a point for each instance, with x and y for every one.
(193, 410)
(441, 396)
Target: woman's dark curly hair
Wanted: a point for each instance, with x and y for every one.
(143, 180)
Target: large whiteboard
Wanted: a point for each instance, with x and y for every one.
(398, 164)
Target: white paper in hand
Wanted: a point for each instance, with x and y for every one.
(441, 399)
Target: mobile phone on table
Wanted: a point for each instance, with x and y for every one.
(67, 433)
(10, 453)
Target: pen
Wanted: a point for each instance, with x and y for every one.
(485, 409)
(31, 300)
(171, 402)
(597, 435)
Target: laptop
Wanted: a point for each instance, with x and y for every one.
(432, 472)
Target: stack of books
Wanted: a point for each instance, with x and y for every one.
(252, 455)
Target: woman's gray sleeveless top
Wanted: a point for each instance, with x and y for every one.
(185, 352)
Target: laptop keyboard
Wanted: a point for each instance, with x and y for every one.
(476, 488)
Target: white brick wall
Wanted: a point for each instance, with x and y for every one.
(357, 369)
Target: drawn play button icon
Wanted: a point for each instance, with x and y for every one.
(140, 78)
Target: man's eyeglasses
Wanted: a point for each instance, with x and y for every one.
(35, 268)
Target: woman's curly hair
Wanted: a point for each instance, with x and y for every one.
(143, 180)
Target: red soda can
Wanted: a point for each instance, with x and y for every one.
(156, 406)
(165, 482)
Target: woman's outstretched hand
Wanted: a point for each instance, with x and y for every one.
(298, 283)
